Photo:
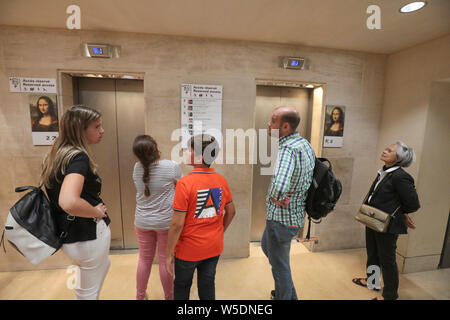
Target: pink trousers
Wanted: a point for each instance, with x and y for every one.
(148, 241)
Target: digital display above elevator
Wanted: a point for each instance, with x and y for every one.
(293, 63)
(93, 50)
(97, 51)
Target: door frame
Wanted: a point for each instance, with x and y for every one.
(317, 106)
(66, 98)
(65, 86)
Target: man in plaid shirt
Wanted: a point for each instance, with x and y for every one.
(286, 198)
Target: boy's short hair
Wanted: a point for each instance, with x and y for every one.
(205, 145)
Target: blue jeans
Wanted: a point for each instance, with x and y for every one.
(276, 245)
(206, 274)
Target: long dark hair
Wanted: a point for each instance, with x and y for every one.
(145, 149)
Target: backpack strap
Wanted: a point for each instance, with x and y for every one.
(308, 235)
(326, 160)
(24, 188)
(67, 222)
(3, 240)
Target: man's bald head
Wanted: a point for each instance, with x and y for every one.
(289, 115)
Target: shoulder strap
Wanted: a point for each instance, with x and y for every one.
(378, 187)
(389, 174)
(393, 214)
(24, 188)
(370, 189)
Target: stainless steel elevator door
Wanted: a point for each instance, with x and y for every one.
(267, 99)
(121, 103)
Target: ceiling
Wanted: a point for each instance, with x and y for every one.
(339, 24)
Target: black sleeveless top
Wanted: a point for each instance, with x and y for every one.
(80, 229)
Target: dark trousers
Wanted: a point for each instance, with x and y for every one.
(381, 249)
(206, 274)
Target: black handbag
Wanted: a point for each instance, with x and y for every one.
(32, 228)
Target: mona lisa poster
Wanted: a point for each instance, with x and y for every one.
(333, 136)
(44, 118)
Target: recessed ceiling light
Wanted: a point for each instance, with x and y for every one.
(413, 6)
(309, 86)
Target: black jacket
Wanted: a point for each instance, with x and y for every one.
(396, 189)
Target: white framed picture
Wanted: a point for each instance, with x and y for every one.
(44, 118)
(333, 136)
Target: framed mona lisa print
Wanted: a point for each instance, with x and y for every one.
(333, 136)
(44, 118)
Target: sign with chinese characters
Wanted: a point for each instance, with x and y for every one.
(201, 111)
(44, 118)
(333, 136)
(32, 85)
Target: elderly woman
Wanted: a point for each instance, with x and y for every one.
(393, 188)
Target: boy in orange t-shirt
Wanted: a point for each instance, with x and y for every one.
(198, 224)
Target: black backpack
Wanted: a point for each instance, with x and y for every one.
(323, 193)
(31, 226)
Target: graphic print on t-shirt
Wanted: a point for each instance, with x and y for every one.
(208, 203)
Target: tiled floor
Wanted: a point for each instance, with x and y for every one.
(317, 276)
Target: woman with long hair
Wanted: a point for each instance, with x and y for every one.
(47, 119)
(155, 181)
(73, 186)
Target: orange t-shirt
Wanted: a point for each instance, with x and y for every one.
(202, 196)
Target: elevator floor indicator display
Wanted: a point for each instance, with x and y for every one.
(98, 50)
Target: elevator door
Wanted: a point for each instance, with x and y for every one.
(267, 99)
(121, 103)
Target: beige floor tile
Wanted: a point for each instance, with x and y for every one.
(317, 276)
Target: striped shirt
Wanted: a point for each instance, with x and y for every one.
(155, 212)
(292, 175)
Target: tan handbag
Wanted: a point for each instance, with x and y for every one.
(374, 218)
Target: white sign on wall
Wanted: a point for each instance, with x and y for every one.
(32, 85)
(201, 111)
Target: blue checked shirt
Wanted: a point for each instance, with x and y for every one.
(292, 174)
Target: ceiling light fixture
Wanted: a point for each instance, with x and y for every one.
(413, 6)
